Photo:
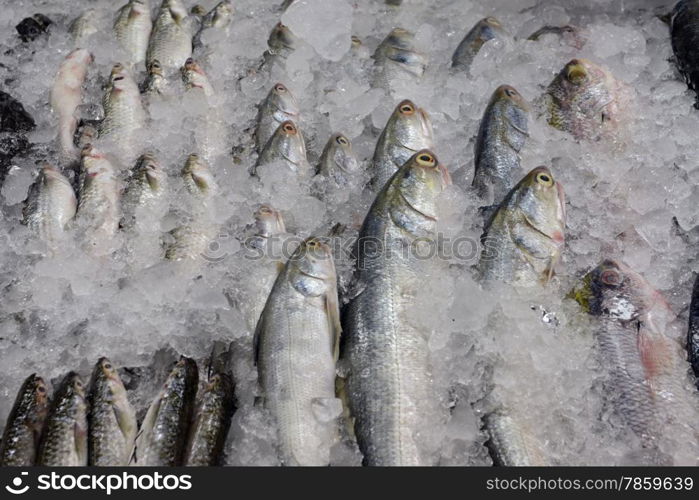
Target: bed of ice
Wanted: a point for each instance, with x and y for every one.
(62, 311)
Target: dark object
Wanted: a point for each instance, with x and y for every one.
(13, 117)
(684, 34)
(30, 28)
(693, 331)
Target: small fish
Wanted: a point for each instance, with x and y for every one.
(145, 199)
(338, 160)
(286, 144)
(163, 434)
(217, 18)
(279, 106)
(523, 239)
(66, 96)
(20, 440)
(485, 30)
(111, 418)
(64, 442)
(155, 82)
(84, 26)
(211, 421)
(132, 28)
(407, 131)
(397, 55)
(171, 39)
(51, 204)
(194, 77)
(281, 42)
(502, 134)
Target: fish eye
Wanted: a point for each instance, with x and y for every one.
(407, 109)
(610, 277)
(544, 179)
(41, 389)
(342, 140)
(280, 88)
(108, 366)
(510, 92)
(78, 384)
(289, 127)
(426, 159)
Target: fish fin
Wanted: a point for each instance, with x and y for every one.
(332, 310)
(126, 419)
(655, 354)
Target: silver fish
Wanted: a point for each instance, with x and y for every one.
(171, 39)
(132, 28)
(84, 26)
(286, 144)
(155, 82)
(485, 30)
(397, 55)
(389, 382)
(194, 77)
(296, 345)
(145, 199)
(281, 42)
(407, 131)
(217, 18)
(279, 106)
(51, 204)
(338, 160)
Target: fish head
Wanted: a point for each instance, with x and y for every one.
(198, 176)
(312, 269)
(155, 68)
(399, 38)
(284, 102)
(74, 386)
(289, 142)
(269, 221)
(35, 393)
(220, 382)
(282, 38)
(410, 127)
(176, 10)
(222, 14)
(81, 56)
(507, 93)
(343, 155)
(152, 172)
(120, 78)
(193, 74)
(489, 28)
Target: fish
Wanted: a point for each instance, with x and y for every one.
(132, 28)
(397, 55)
(217, 18)
(281, 42)
(171, 39)
(192, 238)
(511, 444)
(194, 77)
(296, 347)
(111, 418)
(84, 26)
(485, 30)
(64, 441)
(408, 130)
(389, 385)
(212, 419)
(684, 35)
(124, 114)
(693, 330)
(66, 96)
(586, 101)
(646, 365)
(162, 437)
(523, 239)
(572, 35)
(279, 106)
(155, 82)
(20, 440)
(338, 161)
(502, 134)
(287, 145)
(145, 199)
(98, 207)
(51, 204)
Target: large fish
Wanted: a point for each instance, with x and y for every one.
(523, 239)
(20, 440)
(501, 136)
(132, 28)
(407, 131)
(279, 106)
(64, 442)
(163, 434)
(51, 204)
(647, 367)
(66, 96)
(296, 345)
(171, 39)
(390, 389)
(684, 33)
(111, 418)
(485, 30)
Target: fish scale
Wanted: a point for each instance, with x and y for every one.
(171, 38)
(132, 28)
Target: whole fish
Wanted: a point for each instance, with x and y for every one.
(646, 365)
(523, 239)
(98, 208)
(389, 381)
(51, 204)
(211, 421)
(145, 199)
(66, 96)
(338, 161)
(20, 440)
(217, 18)
(586, 101)
(84, 26)
(163, 434)
(124, 115)
(693, 330)
(111, 418)
(397, 55)
(485, 30)
(281, 42)
(194, 77)
(155, 82)
(407, 131)
(286, 144)
(132, 28)
(296, 346)
(511, 444)
(501, 136)
(279, 106)
(64, 442)
(684, 33)
(192, 238)
(171, 39)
